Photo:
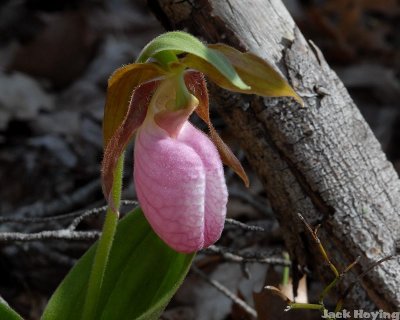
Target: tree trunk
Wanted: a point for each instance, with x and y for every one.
(321, 160)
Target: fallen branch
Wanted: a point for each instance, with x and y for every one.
(321, 159)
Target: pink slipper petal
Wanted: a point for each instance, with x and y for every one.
(180, 185)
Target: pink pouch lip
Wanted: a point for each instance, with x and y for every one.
(180, 185)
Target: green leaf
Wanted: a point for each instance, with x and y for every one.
(256, 72)
(181, 42)
(142, 275)
(6, 313)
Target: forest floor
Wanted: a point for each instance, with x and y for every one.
(55, 59)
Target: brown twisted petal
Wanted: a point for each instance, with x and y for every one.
(123, 134)
(197, 86)
(121, 84)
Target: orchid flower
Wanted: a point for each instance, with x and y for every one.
(178, 169)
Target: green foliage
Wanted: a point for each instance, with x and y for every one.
(6, 313)
(261, 77)
(178, 42)
(142, 275)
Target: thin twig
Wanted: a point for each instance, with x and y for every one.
(95, 211)
(221, 288)
(84, 215)
(247, 257)
(243, 225)
(70, 233)
(65, 216)
(67, 234)
(49, 234)
(320, 246)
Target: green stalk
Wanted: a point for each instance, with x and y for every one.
(104, 247)
(286, 270)
(183, 96)
(309, 306)
(327, 289)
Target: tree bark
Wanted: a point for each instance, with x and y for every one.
(321, 160)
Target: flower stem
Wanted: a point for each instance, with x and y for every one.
(183, 96)
(103, 247)
(286, 270)
(309, 306)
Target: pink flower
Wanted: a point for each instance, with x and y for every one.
(178, 169)
(180, 185)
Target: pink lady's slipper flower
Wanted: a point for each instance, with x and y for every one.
(179, 177)
(178, 170)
